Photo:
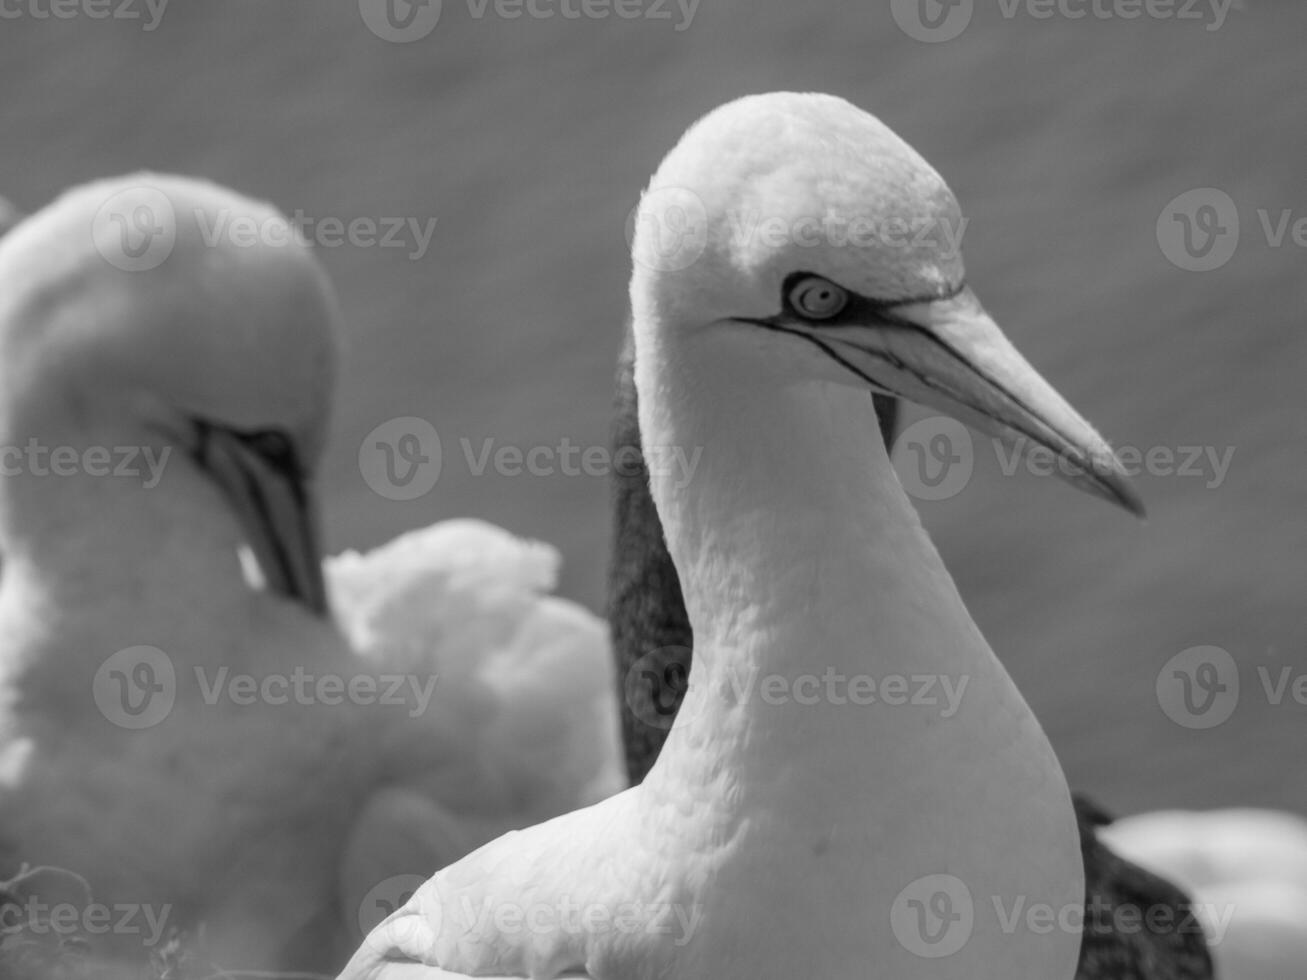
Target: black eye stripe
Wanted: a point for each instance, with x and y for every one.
(278, 450)
(272, 445)
(858, 309)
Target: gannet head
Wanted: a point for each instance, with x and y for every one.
(226, 348)
(805, 232)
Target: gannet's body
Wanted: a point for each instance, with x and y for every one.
(779, 837)
(256, 818)
(653, 647)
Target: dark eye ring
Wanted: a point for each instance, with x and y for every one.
(816, 298)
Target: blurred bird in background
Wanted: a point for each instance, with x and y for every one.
(258, 826)
(1245, 868)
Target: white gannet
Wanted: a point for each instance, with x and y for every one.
(1246, 869)
(258, 822)
(1236, 878)
(779, 837)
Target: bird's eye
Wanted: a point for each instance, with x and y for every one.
(274, 446)
(818, 299)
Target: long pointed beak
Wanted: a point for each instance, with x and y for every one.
(948, 354)
(268, 489)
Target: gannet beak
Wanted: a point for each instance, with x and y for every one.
(267, 486)
(948, 354)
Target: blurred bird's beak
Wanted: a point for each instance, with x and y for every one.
(267, 486)
(948, 354)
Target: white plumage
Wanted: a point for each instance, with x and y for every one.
(777, 837)
(474, 603)
(261, 824)
(523, 725)
(1246, 870)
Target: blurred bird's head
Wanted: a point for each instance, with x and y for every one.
(155, 310)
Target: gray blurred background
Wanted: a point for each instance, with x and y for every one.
(529, 141)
